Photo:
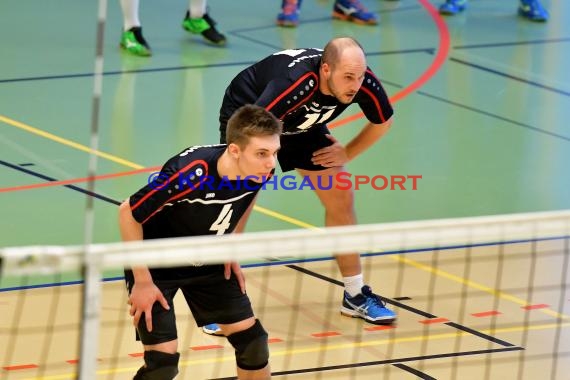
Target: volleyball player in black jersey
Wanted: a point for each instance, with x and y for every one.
(201, 191)
(306, 89)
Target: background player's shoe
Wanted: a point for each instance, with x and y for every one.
(353, 11)
(451, 7)
(212, 329)
(533, 10)
(134, 43)
(205, 26)
(289, 15)
(368, 306)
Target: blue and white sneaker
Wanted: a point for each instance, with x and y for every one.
(533, 10)
(451, 7)
(353, 11)
(289, 16)
(368, 306)
(212, 329)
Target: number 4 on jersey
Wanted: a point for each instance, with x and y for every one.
(222, 223)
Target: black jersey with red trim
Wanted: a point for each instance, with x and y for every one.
(287, 84)
(188, 198)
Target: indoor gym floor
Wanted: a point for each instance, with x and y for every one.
(480, 100)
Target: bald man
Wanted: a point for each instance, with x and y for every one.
(306, 89)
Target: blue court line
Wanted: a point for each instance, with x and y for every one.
(501, 44)
(527, 126)
(73, 187)
(119, 72)
(503, 74)
(291, 262)
(190, 67)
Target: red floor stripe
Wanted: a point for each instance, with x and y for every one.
(378, 328)
(75, 361)
(275, 340)
(78, 180)
(21, 366)
(137, 354)
(434, 320)
(325, 334)
(534, 307)
(485, 314)
(202, 348)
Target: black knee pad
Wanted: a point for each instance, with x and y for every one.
(252, 352)
(158, 366)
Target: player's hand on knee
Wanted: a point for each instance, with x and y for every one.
(142, 298)
(236, 268)
(332, 155)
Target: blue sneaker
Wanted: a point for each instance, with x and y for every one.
(353, 11)
(533, 10)
(212, 329)
(451, 7)
(368, 306)
(289, 15)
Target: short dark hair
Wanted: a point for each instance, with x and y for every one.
(249, 121)
(333, 49)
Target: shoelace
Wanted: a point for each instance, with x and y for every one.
(373, 300)
(358, 5)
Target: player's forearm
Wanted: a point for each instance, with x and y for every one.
(132, 230)
(368, 136)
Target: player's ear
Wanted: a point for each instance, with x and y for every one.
(326, 68)
(234, 150)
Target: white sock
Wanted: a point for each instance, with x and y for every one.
(197, 8)
(353, 284)
(130, 13)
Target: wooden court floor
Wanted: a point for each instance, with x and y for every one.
(481, 102)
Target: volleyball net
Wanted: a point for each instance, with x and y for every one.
(476, 298)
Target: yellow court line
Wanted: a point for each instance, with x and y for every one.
(475, 285)
(330, 347)
(285, 218)
(67, 142)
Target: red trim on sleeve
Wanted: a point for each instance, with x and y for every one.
(172, 178)
(291, 88)
(369, 93)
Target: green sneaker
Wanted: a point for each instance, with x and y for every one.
(134, 43)
(204, 26)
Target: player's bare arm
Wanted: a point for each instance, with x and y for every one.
(144, 293)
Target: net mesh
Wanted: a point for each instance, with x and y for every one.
(477, 298)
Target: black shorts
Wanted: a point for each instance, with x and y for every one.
(211, 298)
(297, 150)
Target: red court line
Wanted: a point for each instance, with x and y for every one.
(76, 361)
(534, 307)
(78, 180)
(379, 328)
(325, 334)
(17, 367)
(486, 314)
(203, 348)
(440, 57)
(434, 320)
(274, 340)
(137, 354)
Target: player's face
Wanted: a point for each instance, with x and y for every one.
(344, 80)
(345, 77)
(259, 157)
